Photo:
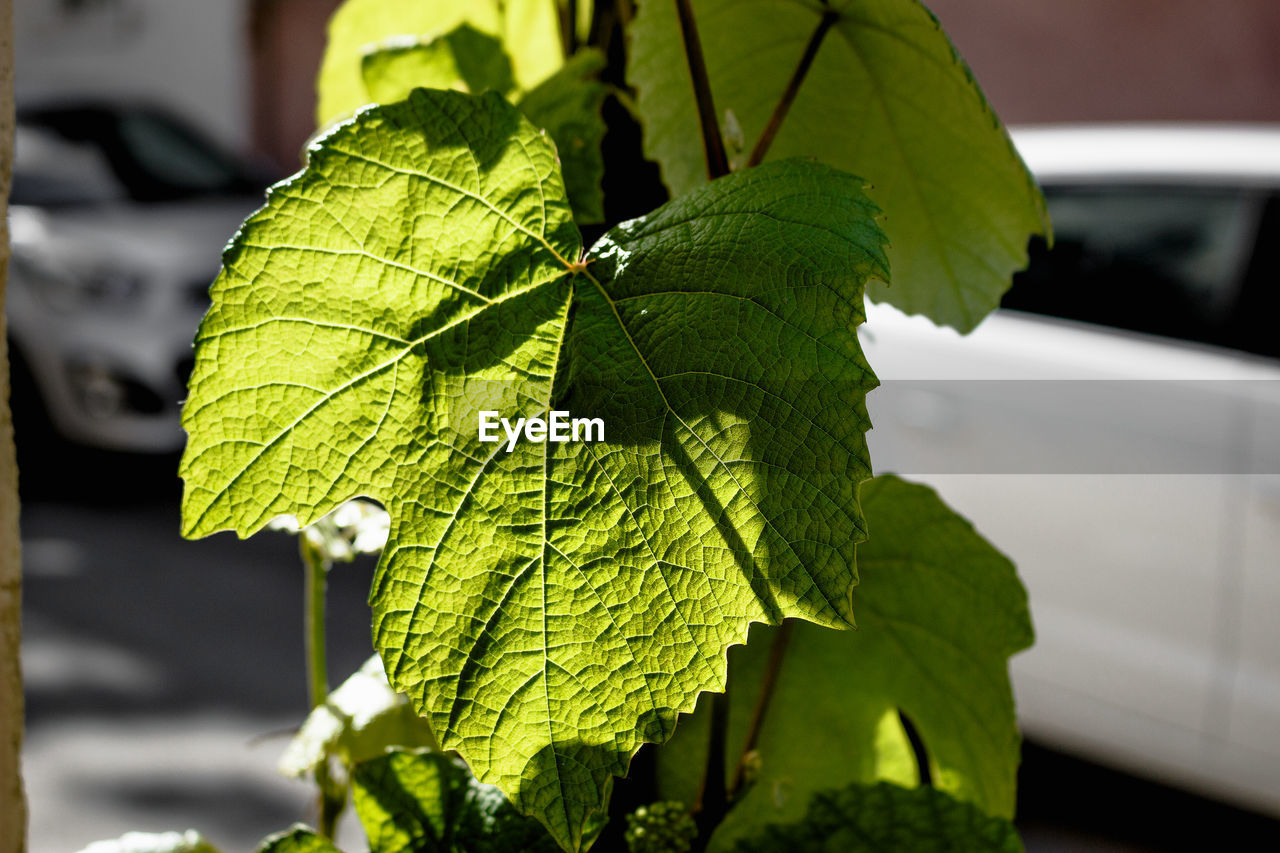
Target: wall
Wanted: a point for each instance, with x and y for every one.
(1109, 60)
(189, 55)
(287, 39)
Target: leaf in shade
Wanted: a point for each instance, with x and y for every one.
(940, 612)
(428, 802)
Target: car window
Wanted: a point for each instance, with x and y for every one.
(1255, 326)
(51, 172)
(1162, 260)
(154, 156)
(175, 157)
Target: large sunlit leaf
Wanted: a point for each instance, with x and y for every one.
(428, 802)
(552, 607)
(529, 29)
(887, 97)
(940, 612)
(885, 818)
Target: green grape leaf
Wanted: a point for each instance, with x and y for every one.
(885, 818)
(463, 58)
(424, 802)
(568, 106)
(298, 839)
(886, 97)
(529, 29)
(358, 721)
(154, 842)
(940, 612)
(548, 606)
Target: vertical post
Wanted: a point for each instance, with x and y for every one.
(13, 809)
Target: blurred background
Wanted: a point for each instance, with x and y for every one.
(164, 676)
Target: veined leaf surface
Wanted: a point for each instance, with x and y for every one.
(550, 608)
(887, 97)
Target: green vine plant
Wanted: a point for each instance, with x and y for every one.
(691, 574)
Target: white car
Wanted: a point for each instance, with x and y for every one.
(117, 217)
(1115, 429)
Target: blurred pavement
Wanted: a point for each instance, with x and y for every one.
(164, 677)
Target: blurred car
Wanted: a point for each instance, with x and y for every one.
(118, 214)
(1115, 429)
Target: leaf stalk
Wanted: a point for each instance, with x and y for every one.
(315, 585)
(777, 654)
(332, 796)
(712, 141)
(567, 12)
(713, 798)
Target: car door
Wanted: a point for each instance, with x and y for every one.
(1248, 721)
(1092, 432)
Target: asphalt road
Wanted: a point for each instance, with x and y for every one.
(163, 677)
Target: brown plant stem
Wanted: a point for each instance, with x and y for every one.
(713, 799)
(777, 653)
(567, 12)
(758, 153)
(712, 141)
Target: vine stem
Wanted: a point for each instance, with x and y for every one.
(712, 805)
(828, 20)
(315, 584)
(332, 797)
(567, 11)
(625, 12)
(714, 799)
(777, 653)
(712, 141)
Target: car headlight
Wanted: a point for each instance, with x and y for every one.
(69, 290)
